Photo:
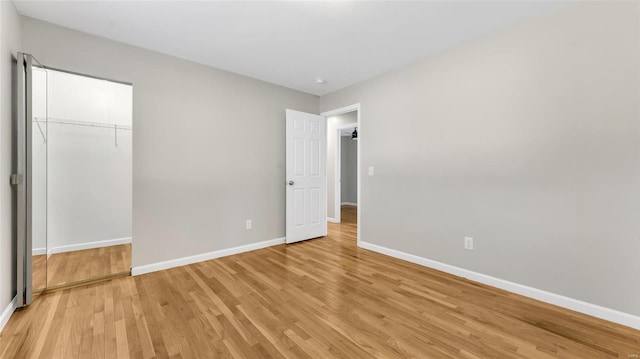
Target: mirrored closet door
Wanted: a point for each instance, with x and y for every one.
(73, 178)
(38, 134)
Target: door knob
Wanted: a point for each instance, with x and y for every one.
(291, 183)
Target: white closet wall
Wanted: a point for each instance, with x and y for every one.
(90, 178)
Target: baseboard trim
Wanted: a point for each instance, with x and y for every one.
(38, 251)
(89, 245)
(7, 312)
(538, 294)
(349, 204)
(178, 262)
(332, 220)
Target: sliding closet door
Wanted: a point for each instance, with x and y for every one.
(18, 180)
(38, 149)
(29, 177)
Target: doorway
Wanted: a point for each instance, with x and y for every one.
(343, 168)
(89, 177)
(348, 176)
(311, 183)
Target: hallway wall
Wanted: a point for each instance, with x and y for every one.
(349, 170)
(332, 138)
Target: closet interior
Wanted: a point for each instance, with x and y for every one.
(81, 178)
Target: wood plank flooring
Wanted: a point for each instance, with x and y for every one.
(39, 271)
(323, 298)
(75, 266)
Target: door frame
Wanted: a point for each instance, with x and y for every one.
(337, 187)
(340, 111)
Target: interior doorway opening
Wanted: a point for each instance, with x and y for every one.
(343, 168)
(341, 163)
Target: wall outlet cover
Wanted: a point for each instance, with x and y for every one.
(468, 243)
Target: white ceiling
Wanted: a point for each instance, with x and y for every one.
(292, 43)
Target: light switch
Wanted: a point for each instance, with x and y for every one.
(370, 170)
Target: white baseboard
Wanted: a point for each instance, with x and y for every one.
(88, 245)
(38, 251)
(349, 204)
(6, 313)
(541, 295)
(332, 220)
(178, 262)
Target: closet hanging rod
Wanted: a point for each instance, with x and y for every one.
(81, 123)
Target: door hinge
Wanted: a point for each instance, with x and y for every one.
(16, 179)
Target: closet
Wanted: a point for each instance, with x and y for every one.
(73, 178)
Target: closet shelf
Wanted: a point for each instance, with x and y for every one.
(62, 121)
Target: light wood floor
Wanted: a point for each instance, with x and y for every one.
(76, 266)
(323, 298)
(39, 271)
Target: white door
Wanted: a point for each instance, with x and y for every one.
(306, 176)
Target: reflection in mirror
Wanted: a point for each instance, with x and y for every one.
(89, 178)
(38, 142)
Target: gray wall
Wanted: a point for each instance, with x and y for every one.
(208, 145)
(9, 46)
(527, 140)
(332, 137)
(349, 170)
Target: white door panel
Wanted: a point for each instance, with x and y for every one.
(306, 181)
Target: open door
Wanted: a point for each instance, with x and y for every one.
(306, 194)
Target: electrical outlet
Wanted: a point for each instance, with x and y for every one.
(249, 224)
(468, 243)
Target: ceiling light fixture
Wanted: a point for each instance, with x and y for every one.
(320, 81)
